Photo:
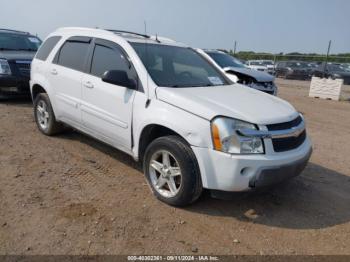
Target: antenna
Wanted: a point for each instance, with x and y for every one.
(157, 38)
(147, 75)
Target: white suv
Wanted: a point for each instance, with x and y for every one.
(257, 65)
(164, 104)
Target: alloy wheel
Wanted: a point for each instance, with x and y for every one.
(165, 173)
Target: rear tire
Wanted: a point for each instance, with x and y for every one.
(45, 117)
(172, 171)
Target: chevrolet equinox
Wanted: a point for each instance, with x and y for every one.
(164, 104)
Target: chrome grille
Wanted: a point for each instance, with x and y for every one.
(287, 143)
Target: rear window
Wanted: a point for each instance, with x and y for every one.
(47, 47)
(73, 55)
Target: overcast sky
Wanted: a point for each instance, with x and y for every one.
(257, 25)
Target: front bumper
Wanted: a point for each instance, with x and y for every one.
(234, 173)
(14, 85)
(274, 175)
(272, 89)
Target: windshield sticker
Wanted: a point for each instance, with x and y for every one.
(34, 40)
(215, 80)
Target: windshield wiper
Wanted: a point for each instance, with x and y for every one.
(25, 49)
(7, 49)
(17, 49)
(184, 86)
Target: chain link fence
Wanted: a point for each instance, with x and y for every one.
(245, 56)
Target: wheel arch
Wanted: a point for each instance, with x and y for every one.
(151, 132)
(37, 89)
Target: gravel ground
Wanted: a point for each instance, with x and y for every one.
(73, 195)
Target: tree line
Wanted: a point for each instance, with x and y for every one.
(309, 57)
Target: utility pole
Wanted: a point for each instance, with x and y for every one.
(327, 57)
(235, 48)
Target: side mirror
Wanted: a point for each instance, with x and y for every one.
(120, 78)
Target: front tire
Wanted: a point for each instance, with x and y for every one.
(172, 171)
(45, 117)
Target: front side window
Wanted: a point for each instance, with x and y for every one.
(73, 55)
(105, 59)
(47, 47)
(18, 42)
(173, 66)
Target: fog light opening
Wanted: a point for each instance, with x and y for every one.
(245, 171)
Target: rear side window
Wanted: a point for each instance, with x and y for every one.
(47, 47)
(73, 55)
(105, 59)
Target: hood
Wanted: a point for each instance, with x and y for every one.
(257, 75)
(236, 101)
(17, 55)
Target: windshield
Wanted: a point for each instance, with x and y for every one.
(337, 68)
(225, 60)
(267, 63)
(19, 42)
(311, 65)
(295, 65)
(172, 66)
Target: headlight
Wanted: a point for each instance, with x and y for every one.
(4, 67)
(226, 138)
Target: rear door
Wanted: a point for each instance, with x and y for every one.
(66, 75)
(107, 108)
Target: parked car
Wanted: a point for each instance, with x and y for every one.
(239, 73)
(270, 66)
(17, 50)
(292, 70)
(257, 65)
(333, 70)
(310, 66)
(164, 104)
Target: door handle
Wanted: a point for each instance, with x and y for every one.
(54, 72)
(89, 84)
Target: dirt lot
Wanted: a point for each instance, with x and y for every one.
(72, 195)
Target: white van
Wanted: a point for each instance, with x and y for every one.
(165, 105)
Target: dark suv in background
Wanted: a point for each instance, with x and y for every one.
(293, 70)
(334, 71)
(17, 50)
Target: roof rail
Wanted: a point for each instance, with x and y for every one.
(127, 32)
(14, 31)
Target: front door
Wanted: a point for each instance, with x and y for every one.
(107, 108)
